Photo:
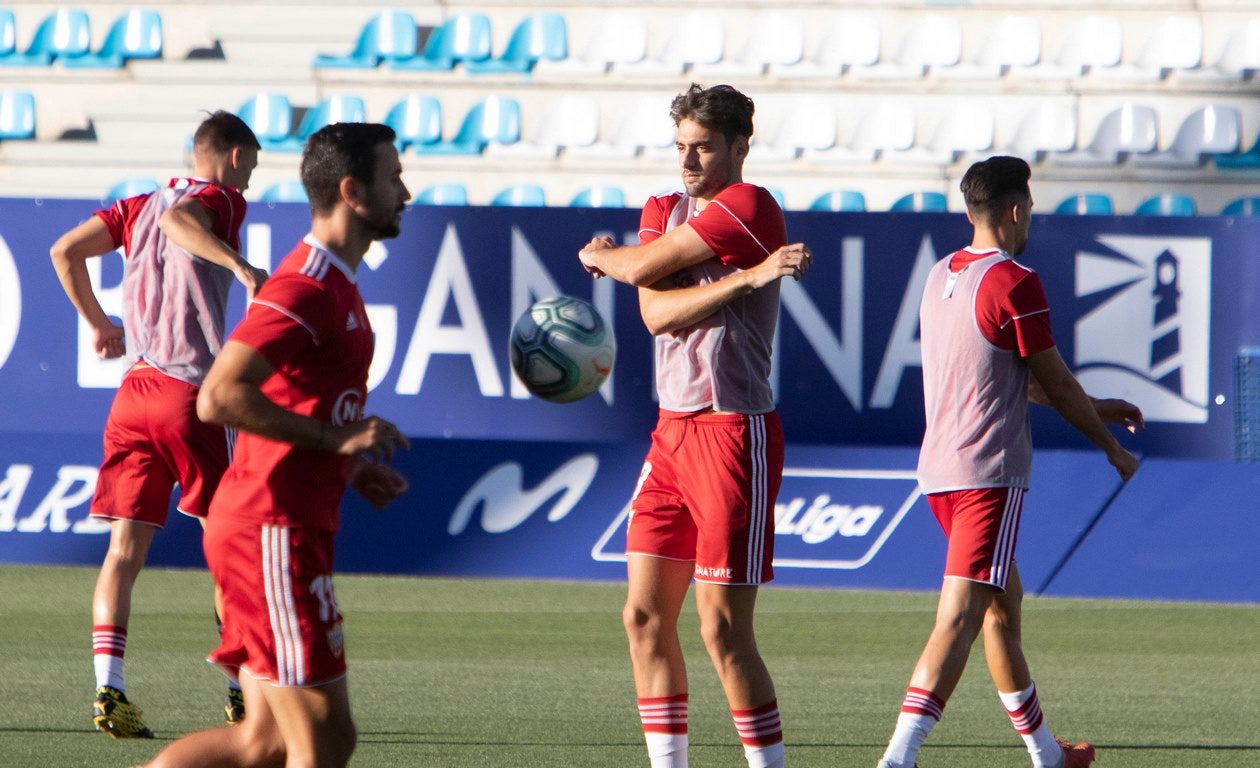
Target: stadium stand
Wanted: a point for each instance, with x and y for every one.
(773, 38)
(617, 38)
(839, 200)
(493, 120)
(343, 108)
(442, 194)
(1209, 130)
(1243, 206)
(921, 202)
(538, 36)
(521, 195)
(1167, 204)
(1086, 204)
(17, 114)
(290, 191)
(849, 40)
(416, 119)
(693, 39)
(136, 34)
(390, 35)
(270, 115)
(567, 122)
(130, 188)
(63, 34)
(461, 39)
(1130, 128)
(599, 197)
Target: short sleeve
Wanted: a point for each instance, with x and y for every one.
(288, 315)
(117, 216)
(655, 216)
(228, 207)
(1012, 311)
(742, 225)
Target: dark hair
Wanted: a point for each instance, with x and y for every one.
(719, 108)
(996, 184)
(335, 152)
(222, 132)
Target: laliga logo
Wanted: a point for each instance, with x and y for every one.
(1148, 340)
(506, 504)
(348, 408)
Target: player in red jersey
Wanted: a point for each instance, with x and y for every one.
(182, 250)
(987, 351)
(293, 379)
(707, 268)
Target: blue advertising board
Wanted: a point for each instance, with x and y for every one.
(1150, 309)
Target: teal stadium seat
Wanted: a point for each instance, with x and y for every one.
(599, 197)
(442, 194)
(921, 202)
(17, 114)
(417, 121)
(284, 192)
(269, 115)
(137, 34)
(1167, 204)
(334, 109)
(839, 200)
(9, 55)
(1248, 159)
(1243, 206)
(64, 34)
(131, 188)
(537, 36)
(460, 39)
(391, 35)
(495, 119)
(1086, 204)
(521, 196)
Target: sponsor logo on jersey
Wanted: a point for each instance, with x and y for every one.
(1146, 339)
(348, 408)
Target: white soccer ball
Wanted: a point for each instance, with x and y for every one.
(561, 349)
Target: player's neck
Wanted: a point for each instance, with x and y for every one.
(346, 242)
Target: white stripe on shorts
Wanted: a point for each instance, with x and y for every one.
(757, 512)
(290, 664)
(1008, 532)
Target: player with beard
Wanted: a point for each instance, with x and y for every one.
(292, 378)
(707, 267)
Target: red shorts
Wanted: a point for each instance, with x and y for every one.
(280, 616)
(707, 492)
(982, 525)
(154, 440)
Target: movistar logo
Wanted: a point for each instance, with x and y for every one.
(505, 503)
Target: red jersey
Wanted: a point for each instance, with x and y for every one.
(174, 302)
(723, 361)
(309, 322)
(982, 313)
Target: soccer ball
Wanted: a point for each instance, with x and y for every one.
(561, 349)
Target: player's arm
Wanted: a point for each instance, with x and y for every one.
(648, 263)
(190, 225)
(232, 396)
(666, 308)
(69, 256)
(1058, 388)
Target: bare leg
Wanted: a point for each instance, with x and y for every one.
(128, 547)
(255, 743)
(1003, 644)
(656, 590)
(959, 618)
(314, 723)
(726, 624)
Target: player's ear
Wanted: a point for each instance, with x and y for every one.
(740, 147)
(351, 191)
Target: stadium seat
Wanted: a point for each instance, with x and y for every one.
(599, 197)
(137, 34)
(932, 41)
(1244, 160)
(442, 194)
(921, 202)
(1240, 57)
(777, 194)
(460, 39)
(130, 188)
(521, 195)
(417, 121)
(62, 35)
(847, 41)
(1131, 128)
(334, 109)
(538, 36)
(811, 123)
(269, 115)
(694, 38)
(645, 128)
(1243, 206)
(1090, 43)
(493, 120)
(1175, 43)
(960, 130)
(17, 114)
(887, 127)
(1014, 41)
(9, 55)
(1167, 204)
(1209, 130)
(1048, 126)
(390, 35)
(776, 38)
(617, 37)
(1086, 204)
(566, 122)
(284, 192)
(839, 200)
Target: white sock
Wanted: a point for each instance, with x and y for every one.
(666, 750)
(1024, 709)
(109, 644)
(765, 757)
(908, 737)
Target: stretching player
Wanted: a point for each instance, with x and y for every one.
(707, 268)
(293, 379)
(182, 247)
(987, 350)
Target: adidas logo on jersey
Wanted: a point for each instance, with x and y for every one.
(352, 322)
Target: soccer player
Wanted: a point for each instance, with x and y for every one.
(292, 378)
(707, 268)
(182, 251)
(987, 351)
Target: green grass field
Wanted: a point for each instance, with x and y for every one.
(501, 674)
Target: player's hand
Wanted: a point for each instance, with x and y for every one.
(587, 254)
(109, 342)
(1124, 462)
(377, 483)
(373, 438)
(1122, 412)
(252, 278)
(788, 261)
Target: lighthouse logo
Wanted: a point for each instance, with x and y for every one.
(1147, 339)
